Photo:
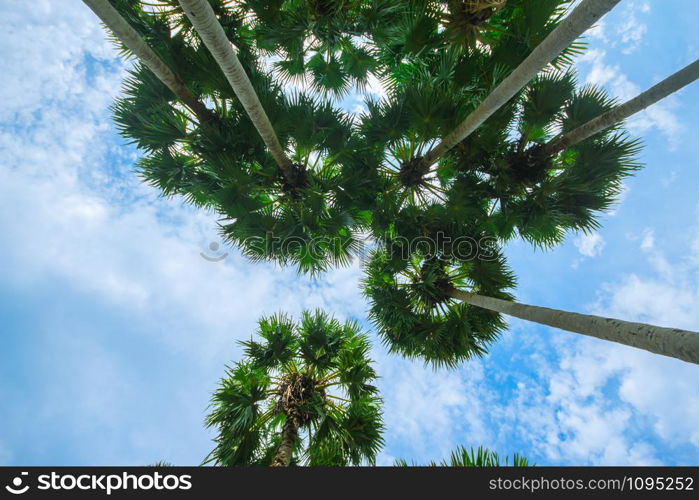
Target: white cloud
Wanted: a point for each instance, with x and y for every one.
(629, 33)
(375, 87)
(598, 402)
(431, 412)
(667, 296)
(648, 240)
(598, 31)
(632, 31)
(590, 244)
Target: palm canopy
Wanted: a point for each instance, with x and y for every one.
(542, 197)
(222, 163)
(303, 394)
(345, 177)
(498, 175)
(333, 45)
(416, 317)
(321, 42)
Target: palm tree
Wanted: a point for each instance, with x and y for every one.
(332, 192)
(579, 20)
(480, 457)
(222, 164)
(138, 46)
(302, 396)
(430, 93)
(445, 309)
(668, 86)
(494, 178)
(204, 20)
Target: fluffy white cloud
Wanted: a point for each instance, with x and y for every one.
(431, 412)
(632, 31)
(601, 389)
(590, 244)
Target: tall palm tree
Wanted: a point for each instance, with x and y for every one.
(204, 20)
(494, 177)
(579, 20)
(138, 46)
(302, 396)
(480, 457)
(668, 86)
(430, 93)
(445, 309)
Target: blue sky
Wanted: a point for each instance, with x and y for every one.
(114, 331)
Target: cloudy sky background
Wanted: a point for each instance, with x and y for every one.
(114, 331)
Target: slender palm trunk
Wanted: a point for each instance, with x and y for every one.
(671, 84)
(136, 44)
(285, 451)
(673, 342)
(204, 20)
(582, 17)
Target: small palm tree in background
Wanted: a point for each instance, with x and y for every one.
(302, 396)
(480, 457)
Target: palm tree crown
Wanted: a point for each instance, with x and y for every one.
(302, 395)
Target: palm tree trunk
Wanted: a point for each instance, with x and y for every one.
(673, 342)
(204, 20)
(671, 84)
(135, 43)
(285, 451)
(579, 20)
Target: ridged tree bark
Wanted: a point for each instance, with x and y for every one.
(579, 20)
(670, 85)
(204, 20)
(286, 448)
(136, 44)
(672, 342)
